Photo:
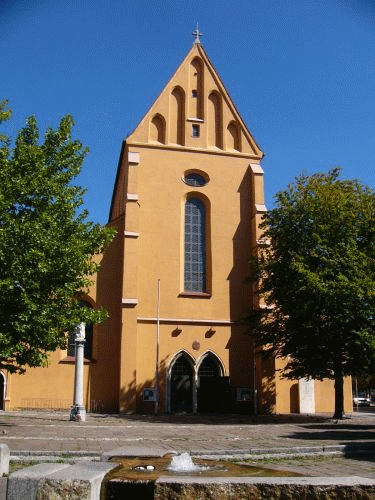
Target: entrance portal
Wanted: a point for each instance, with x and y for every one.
(208, 386)
(197, 386)
(182, 386)
(213, 388)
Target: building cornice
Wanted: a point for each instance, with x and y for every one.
(184, 149)
(187, 321)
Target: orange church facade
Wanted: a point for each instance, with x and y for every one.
(187, 203)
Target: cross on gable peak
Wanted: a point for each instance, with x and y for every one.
(197, 34)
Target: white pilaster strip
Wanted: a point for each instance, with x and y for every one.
(133, 158)
(131, 197)
(129, 302)
(260, 208)
(256, 168)
(131, 234)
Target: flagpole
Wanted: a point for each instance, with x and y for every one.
(157, 351)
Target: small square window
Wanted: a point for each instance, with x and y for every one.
(196, 131)
(194, 93)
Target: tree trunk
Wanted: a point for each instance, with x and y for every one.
(339, 389)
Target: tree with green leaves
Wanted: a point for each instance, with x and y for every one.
(47, 245)
(317, 280)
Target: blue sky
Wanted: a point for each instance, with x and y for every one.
(301, 73)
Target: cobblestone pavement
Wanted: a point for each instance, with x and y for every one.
(51, 432)
(324, 465)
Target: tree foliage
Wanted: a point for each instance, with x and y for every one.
(46, 243)
(317, 279)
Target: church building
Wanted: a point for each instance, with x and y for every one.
(187, 203)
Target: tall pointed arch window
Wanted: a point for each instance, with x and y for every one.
(195, 246)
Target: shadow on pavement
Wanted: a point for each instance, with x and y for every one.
(342, 436)
(367, 452)
(226, 419)
(340, 426)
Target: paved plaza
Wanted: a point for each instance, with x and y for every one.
(346, 447)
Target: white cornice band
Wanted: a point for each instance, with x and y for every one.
(185, 321)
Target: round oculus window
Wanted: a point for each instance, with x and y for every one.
(195, 179)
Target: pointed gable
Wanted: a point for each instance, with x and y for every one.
(195, 111)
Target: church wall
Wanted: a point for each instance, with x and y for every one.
(266, 384)
(325, 395)
(52, 386)
(287, 394)
(118, 201)
(45, 388)
(157, 252)
(162, 195)
(105, 367)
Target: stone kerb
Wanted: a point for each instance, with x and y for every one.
(138, 452)
(226, 488)
(23, 484)
(4, 459)
(84, 481)
(81, 481)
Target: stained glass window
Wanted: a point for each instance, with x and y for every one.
(194, 179)
(181, 367)
(208, 368)
(195, 246)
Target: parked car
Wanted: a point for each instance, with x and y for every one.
(361, 401)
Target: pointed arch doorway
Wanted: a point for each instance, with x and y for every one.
(181, 385)
(197, 386)
(209, 385)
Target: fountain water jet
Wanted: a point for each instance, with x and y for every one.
(184, 463)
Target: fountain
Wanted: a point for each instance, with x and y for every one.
(141, 477)
(150, 468)
(184, 463)
(150, 477)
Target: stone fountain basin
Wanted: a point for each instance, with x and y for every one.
(174, 476)
(91, 481)
(87, 482)
(152, 468)
(224, 481)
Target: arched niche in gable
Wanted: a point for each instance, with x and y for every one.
(233, 136)
(157, 129)
(215, 120)
(197, 88)
(177, 123)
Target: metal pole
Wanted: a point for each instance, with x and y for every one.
(78, 411)
(157, 351)
(255, 380)
(356, 392)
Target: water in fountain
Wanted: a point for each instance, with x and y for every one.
(151, 468)
(184, 463)
(137, 477)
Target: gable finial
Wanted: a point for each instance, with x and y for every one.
(197, 34)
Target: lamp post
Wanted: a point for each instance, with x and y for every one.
(78, 411)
